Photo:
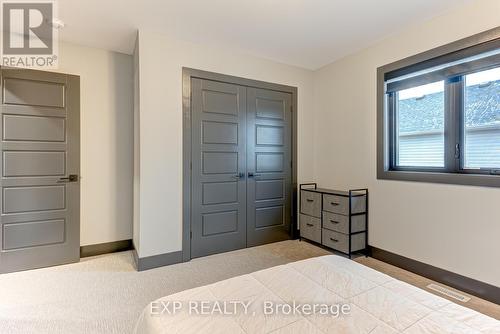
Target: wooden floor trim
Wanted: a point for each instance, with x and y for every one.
(476, 288)
(105, 248)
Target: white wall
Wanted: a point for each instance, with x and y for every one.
(161, 60)
(106, 116)
(452, 227)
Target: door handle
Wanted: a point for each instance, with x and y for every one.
(70, 178)
(251, 174)
(239, 176)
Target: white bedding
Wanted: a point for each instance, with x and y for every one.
(377, 302)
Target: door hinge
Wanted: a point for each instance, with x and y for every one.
(190, 234)
(191, 165)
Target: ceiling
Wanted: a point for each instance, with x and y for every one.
(306, 33)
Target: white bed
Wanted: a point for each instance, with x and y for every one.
(378, 304)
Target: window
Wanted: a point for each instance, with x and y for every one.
(439, 117)
(425, 117)
(482, 120)
(420, 126)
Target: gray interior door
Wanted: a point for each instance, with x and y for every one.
(40, 145)
(218, 191)
(269, 125)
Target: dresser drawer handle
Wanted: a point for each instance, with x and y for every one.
(334, 221)
(309, 224)
(310, 200)
(334, 240)
(334, 204)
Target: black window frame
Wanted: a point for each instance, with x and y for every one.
(424, 68)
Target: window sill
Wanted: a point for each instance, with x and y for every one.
(478, 180)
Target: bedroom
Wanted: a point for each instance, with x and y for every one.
(119, 183)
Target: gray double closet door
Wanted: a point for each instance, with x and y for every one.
(241, 166)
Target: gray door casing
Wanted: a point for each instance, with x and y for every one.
(40, 145)
(263, 204)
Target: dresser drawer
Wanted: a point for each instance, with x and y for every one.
(340, 223)
(310, 228)
(358, 242)
(336, 222)
(336, 240)
(358, 223)
(310, 203)
(340, 204)
(340, 241)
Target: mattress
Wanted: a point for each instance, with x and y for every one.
(328, 294)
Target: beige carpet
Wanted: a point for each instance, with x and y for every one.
(105, 294)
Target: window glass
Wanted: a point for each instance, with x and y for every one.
(482, 120)
(420, 126)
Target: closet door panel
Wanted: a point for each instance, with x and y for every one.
(269, 182)
(218, 167)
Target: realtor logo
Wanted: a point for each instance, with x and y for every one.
(28, 36)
